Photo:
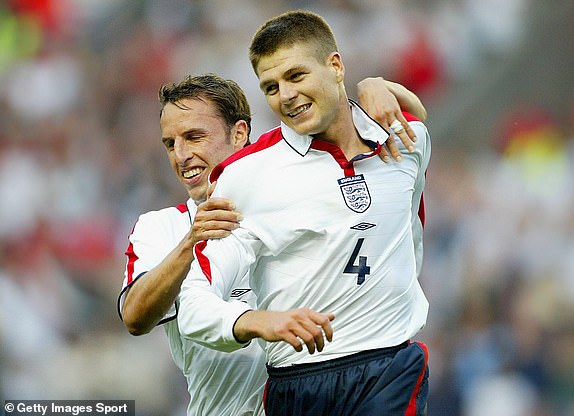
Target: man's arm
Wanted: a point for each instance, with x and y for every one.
(151, 295)
(384, 101)
(209, 320)
(389, 107)
(208, 317)
(207, 311)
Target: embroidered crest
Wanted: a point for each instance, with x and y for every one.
(355, 193)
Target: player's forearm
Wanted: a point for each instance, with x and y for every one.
(381, 98)
(408, 100)
(248, 326)
(151, 295)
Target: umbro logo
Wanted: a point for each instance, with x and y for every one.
(237, 293)
(362, 226)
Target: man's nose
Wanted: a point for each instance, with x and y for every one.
(286, 92)
(182, 151)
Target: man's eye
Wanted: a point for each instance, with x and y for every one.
(270, 90)
(168, 144)
(193, 137)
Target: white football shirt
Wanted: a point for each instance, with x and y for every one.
(219, 383)
(319, 232)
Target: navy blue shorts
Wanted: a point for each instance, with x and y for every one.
(388, 381)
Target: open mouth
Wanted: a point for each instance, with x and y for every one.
(299, 110)
(192, 173)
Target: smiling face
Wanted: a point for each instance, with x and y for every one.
(303, 91)
(196, 139)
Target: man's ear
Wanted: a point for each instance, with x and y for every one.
(336, 63)
(239, 134)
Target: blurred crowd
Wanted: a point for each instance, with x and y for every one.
(78, 106)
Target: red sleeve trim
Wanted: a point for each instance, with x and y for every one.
(409, 117)
(422, 213)
(132, 258)
(203, 260)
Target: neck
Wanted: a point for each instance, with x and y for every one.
(342, 133)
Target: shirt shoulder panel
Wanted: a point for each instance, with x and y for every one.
(265, 141)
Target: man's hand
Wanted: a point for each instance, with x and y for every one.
(215, 218)
(295, 326)
(380, 99)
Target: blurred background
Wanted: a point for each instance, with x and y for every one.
(81, 158)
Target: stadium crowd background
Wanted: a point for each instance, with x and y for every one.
(80, 159)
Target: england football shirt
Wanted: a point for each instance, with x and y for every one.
(321, 232)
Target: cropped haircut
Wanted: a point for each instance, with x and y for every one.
(291, 28)
(227, 96)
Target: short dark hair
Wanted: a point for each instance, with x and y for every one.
(227, 96)
(290, 28)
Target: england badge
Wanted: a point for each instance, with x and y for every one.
(355, 193)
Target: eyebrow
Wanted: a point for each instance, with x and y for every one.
(296, 68)
(188, 132)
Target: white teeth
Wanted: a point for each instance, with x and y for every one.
(299, 110)
(191, 173)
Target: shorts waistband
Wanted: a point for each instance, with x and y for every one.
(298, 370)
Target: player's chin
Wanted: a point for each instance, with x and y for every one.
(303, 128)
(197, 192)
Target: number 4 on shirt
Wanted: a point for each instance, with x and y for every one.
(362, 269)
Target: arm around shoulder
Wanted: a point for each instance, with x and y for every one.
(373, 88)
